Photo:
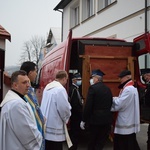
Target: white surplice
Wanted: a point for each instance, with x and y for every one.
(18, 129)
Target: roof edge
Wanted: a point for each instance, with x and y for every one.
(4, 34)
(62, 4)
(8, 37)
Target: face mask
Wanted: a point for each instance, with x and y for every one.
(79, 82)
(91, 82)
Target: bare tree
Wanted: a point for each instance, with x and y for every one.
(26, 54)
(31, 49)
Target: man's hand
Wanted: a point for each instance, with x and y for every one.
(82, 125)
(114, 98)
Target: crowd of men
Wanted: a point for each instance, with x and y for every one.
(26, 125)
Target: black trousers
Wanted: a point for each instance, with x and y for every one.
(75, 131)
(52, 145)
(98, 136)
(148, 136)
(125, 142)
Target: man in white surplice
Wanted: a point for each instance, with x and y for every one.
(128, 118)
(56, 108)
(18, 129)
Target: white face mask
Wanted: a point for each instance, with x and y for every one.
(91, 82)
(79, 82)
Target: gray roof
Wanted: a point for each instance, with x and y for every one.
(56, 31)
(54, 36)
(62, 4)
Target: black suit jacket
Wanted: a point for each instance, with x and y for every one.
(76, 102)
(98, 105)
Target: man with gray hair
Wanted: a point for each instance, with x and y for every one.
(97, 112)
(127, 122)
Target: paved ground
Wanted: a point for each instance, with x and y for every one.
(141, 137)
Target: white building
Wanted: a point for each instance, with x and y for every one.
(53, 39)
(123, 19)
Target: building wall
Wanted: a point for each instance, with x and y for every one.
(5, 89)
(123, 19)
(2, 43)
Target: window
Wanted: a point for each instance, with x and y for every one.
(104, 3)
(144, 62)
(87, 8)
(75, 15)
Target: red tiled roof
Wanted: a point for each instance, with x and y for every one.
(4, 34)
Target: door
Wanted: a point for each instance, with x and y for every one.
(142, 51)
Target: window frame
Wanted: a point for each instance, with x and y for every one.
(75, 14)
(102, 4)
(88, 9)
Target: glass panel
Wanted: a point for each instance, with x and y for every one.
(84, 10)
(76, 10)
(100, 4)
(87, 8)
(74, 15)
(140, 45)
(104, 3)
(91, 7)
(144, 63)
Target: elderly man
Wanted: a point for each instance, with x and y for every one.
(128, 119)
(97, 111)
(17, 122)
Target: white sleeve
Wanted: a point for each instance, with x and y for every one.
(63, 106)
(121, 102)
(24, 127)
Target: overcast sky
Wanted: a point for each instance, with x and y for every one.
(24, 19)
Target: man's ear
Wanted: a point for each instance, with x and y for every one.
(15, 85)
(30, 73)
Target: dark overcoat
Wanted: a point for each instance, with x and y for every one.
(98, 105)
